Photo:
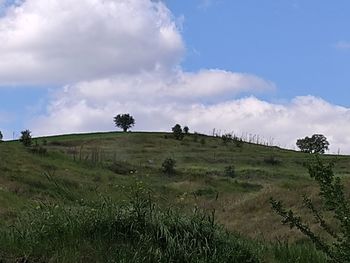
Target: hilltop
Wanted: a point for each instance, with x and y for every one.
(88, 166)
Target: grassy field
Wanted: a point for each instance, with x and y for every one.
(88, 167)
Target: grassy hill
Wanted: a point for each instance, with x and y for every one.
(91, 166)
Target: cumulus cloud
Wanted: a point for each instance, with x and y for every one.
(50, 41)
(116, 56)
(283, 122)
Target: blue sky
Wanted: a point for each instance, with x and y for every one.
(293, 43)
(275, 68)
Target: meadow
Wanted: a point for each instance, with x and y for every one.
(103, 197)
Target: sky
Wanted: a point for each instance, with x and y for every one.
(276, 68)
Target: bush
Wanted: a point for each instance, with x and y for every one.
(226, 138)
(26, 138)
(334, 202)
(168, 166)
(177, 132)
(230, 171)
(237, 141)
(186, 130)
(272, 160)
(123, 168)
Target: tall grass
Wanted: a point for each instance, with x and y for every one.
(137, 231)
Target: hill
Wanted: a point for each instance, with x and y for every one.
(88, 166)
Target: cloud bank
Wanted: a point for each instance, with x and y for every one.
(121, 56)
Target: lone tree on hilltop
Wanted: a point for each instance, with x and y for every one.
(26, 138)
(316, 144)
(186, 130)
(177, 132)
(124, 121)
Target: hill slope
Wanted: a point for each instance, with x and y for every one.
(88, 165)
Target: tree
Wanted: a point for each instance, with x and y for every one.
(124, 121)
(177, 132)
(1, 136)
(316, 144)
(26, 138)
(186, 130)
(332, 215)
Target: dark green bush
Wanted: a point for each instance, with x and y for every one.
(226, 138)
(168, 166)
(230, 171)
(177, 132)
(123, 168)
(26, 138)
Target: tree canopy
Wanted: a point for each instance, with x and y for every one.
(316, 144)
(124, 121)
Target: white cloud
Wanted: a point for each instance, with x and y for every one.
(50, 41)
(284, 122)
(117, 56)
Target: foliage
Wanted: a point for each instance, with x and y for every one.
(177, 132)
(316, 144)
(168, 166)
(138, 231)
(226, 138)
(186, 130)
(122, 168)
(238, 142)
(26, 138)
(230, 171)
(1, 136)
(334, 201)
(124, 121)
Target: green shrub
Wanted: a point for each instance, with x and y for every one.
(123, 168)
(177, 132)
(334, 202)
(26, 138)
(230, 171)
(238, 142)
(186, 130)
(168, 166)
(226, 138)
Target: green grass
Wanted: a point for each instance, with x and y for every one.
(86, 166)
